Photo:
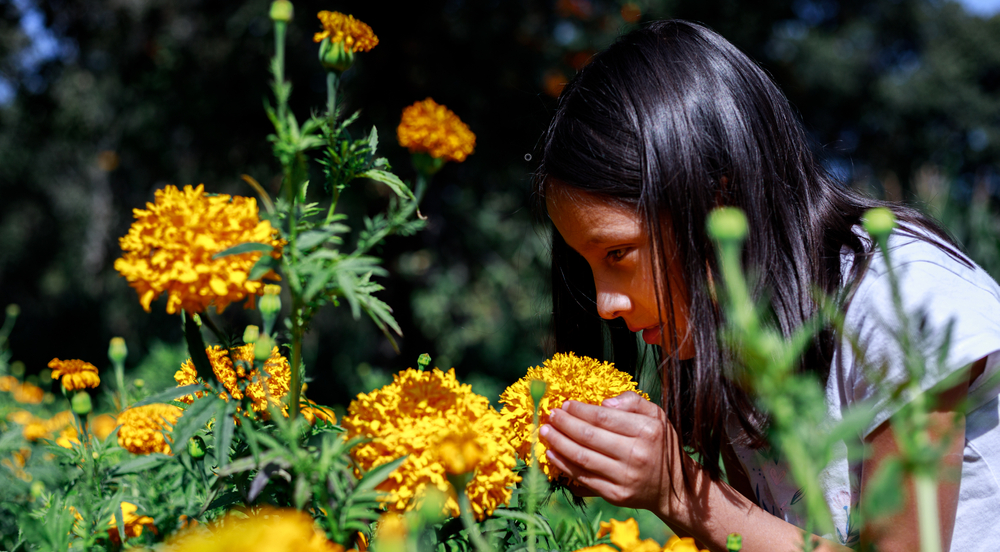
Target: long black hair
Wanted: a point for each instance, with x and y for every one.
(674, 120)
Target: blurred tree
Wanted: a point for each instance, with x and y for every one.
(103, 101)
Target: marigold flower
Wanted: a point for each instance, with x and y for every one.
(18, 459)
(102, 426)
(27, 393)
(625, 537)
(459, 453)
(567, 377)
(243, 379)
(312, 412)
(133, 523)
(427, 127)
(36, 428)
(269, 529)
(142, 428)
(68, 437)
(75, 374)
(412, 416)
(170, 245)
(7, 383)
(681, 544)
(338, 27)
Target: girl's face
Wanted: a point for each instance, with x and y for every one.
(613, 240)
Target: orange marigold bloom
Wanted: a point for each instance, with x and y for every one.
(75, 374)
(269, 529)
(567, 377)
(68, 437)
(411, 417)
(427, 127)
(312, 412)
(27, 393)
(338, 27)
(36, 428)
(133, 523)
(170, 247)
(243, 379)
(143, 427)
(102, 426)
(7, 383)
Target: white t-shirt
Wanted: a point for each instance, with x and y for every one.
(944, 291)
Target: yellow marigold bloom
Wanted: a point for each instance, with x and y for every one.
(242, 379)
(269, 529)
(170, 245)
(68, 437)
(459, 453)
(681, 544)
(27, 393)
(625, 537)
(16, 463)
(36, 428)
(412, 416)
(21, 417)
(567, 377)
(102, 426)
(8, 383)
(427, 127)
(75, 374)
(133, 523)
(338, 27)
(142, 428)
(312, 412)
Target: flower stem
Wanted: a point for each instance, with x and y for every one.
(331, 98)
(927, 512)
(470, 524)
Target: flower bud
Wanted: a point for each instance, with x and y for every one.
(117, 351)
(37, 489)
(734, 542)
(282, 10)
(139, 383)
(727, 224)
(251, 334)
(334, 57)
(537, 391)
(196, 447)
(423, 361)
(269, 306)
(13, 311)
(263, 347)
(81, 403)
(879, 222)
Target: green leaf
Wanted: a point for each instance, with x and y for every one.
(196, 348)
(884, 493)
(377, 475)
(312, 238)
(526, 518)
(265, 264)
(318, 282)
(373, 140)
(224, 424)
(139, 464)
(195, 417)
(170, 394)
(391, 180)
(246, 247)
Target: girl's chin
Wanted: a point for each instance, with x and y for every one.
(654, 336)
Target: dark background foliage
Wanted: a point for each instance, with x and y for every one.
(104, 101)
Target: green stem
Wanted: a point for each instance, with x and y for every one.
(120, 381)
(927, 513)
(295, 385)
(533, 475)
(331, 98)
(279, 66)
(421, 187)
(470, 524)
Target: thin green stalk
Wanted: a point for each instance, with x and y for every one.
(533, 474)
(279, 66)
(296, 381)
(925, 488)
(470, 524)
(331, 98)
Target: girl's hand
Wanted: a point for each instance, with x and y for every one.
(620, 450)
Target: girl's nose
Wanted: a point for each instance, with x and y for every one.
(611, 304)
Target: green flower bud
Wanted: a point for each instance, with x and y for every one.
(734, 542)
(262, 347)
(37, 489)
(425, 164)
(81, 403)
(13, 311)
(117, 351)
(281, 10)
(251, 334)
(17, 368)
(196, 447)
(727, 224)
(334, 56)
(423, 361)
(269, 306)
(879, 222)
(537, 391)
(139, 383)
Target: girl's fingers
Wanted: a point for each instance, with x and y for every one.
(585, 479)
(587, 459)
(606, 438)
(625, 417)
(630, 401)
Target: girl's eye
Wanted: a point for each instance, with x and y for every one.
(617, 254)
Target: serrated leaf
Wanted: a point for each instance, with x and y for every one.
(196, 348)
(318, 282)
(245, 247)
(169, 394)
(265, 264)
(195, 417)
(139, 464)
(312, 238)
(390, 180)
(224, 424)
(377, 475)
(373, 140)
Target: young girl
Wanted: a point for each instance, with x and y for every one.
(659, 129)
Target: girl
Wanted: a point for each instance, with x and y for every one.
(663, 126)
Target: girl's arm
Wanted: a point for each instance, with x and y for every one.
(627, 452)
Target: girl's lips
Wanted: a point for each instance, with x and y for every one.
(651, 335)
